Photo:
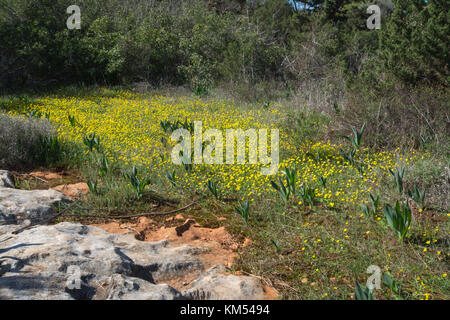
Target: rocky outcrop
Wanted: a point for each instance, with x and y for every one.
(19, 205)
(74, 261)
(6, 179)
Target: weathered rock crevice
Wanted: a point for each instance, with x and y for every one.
(75, 261)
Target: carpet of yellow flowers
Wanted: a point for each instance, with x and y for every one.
(130, 131)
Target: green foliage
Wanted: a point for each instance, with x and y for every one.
(277, 247)
(287, 187)
(349, 156)
(357, 136)
(418, 196)
(201, 43)
(243, 209)
(92, 141)
(398, 178)
(72, 121)
(414, 41)
(373, 210)
(391, 283)
(323, 182)
(93, 186)
(172, 177)
(170, 126)
(398, 218)
(363, 293)
(137, 182)
(213, 187)
(35, 114)
(308, 195)
(51, 149)
(104, 166)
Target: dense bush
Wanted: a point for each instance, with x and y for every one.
(202, 43)
(26, 143)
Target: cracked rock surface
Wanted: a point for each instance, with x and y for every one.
(74, 261)
(18, 205)
(71, 261)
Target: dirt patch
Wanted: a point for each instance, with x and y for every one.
(73, 191)
(45, 179)
(46, 175)
(220, 247)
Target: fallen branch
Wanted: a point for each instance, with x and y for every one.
(130, 216)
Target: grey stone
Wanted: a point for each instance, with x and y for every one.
(6, 179)
(215, 284)
(74, 261)
(18, 205)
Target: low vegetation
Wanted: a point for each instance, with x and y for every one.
(325, 216)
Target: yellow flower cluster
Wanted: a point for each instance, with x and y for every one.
(130, 131)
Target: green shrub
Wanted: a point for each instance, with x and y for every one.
(27, 143)
(398, 218)
(363, 293)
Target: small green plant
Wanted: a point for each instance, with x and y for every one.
(277, 247)
(398, 218)
(287, 187)
(363, 293)
(189, 126)
(357, 137)
(308, 195)
(291, 178)
(51, 149)
(373, 210)
(93, 186)
(213, 187)
(137, 183)
(425, 140)
(391, 283)
(169, 126)
(201, 91)
(72, 121)
(243, 209)
(319, 156)
(336, 108)
(104, 166)
(92, 141)
(35, 114)
(323, 182)
(172, 177)
(349, 156)
(418, 196)
(188, 166)
(398, 178)
(360, 169)
(165, 125)
(282, 189)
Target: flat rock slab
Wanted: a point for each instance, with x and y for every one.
(19, 205)
(74, 261)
